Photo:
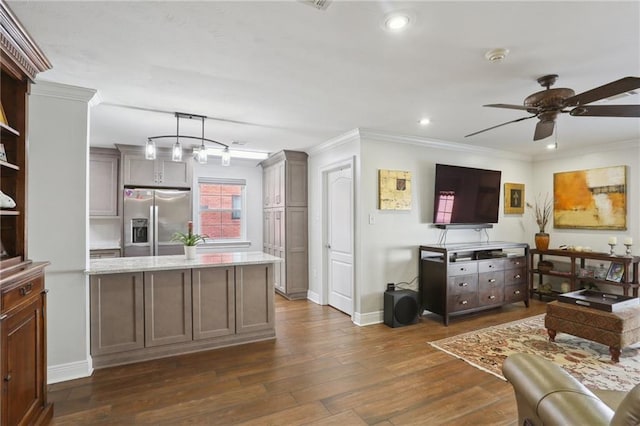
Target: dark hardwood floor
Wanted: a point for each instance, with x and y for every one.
(321, 370)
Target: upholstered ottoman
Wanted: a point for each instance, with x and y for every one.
(614, 329)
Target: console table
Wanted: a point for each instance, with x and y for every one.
(468, 277)
(577, 263)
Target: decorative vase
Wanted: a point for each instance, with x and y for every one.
(190, 252)
(542, 241)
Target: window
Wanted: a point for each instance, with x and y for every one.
(221, 209)
(445, 206)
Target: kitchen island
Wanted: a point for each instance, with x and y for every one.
(150, 307)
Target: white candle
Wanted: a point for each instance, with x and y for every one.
(613, 240)
(628, 241)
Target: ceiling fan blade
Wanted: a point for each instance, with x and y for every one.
(500, 125)
(623, 85)
(606, 111)
(509, 106)
(544, 129)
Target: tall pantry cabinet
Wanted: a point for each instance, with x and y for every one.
(23, 392)
(285, 220)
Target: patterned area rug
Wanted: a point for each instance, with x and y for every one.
(587, 361)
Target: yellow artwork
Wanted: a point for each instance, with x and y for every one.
(394, 190)
(590, 199)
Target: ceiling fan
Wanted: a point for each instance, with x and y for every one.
(547, 104)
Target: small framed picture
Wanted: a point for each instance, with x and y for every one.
(616, 272)
(513, 198)
(3, 154)
(3, 117)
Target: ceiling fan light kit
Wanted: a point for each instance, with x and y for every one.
(547, 104)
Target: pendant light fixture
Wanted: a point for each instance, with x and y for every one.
(200, 154)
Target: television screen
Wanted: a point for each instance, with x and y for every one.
(465, 195)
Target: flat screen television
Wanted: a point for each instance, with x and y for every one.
(464, 195)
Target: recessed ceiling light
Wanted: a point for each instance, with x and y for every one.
(496, 55)
(397, 21)
(424, 121)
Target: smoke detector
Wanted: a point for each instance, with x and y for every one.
(496, 55)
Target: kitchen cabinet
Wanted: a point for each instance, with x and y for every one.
(117, 313)
(23, 340)
(103, 182)
(144, 315)
(468, 277)
(161, 172)
(104, 253)
(285, 220)
(167, 307)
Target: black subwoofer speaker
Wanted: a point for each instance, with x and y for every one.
(401, 307)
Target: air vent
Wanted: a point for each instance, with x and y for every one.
(318, 4)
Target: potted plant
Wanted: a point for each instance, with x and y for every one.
(189, 240)
(542, 211)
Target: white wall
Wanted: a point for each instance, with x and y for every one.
(58, 219)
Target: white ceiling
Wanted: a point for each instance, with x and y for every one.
(282, 74)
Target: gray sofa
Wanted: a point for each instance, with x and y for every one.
(548, 395)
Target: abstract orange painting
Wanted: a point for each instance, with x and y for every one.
(591, 199)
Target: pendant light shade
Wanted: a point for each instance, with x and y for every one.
(150, 150)
(176, 152)
(226, 157)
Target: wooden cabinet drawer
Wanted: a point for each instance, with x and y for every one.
(463, 284)
(21, 292)
(491, 295)
(515, 262)
(490, 280)
(515, 293)
(515, 276)
(462, 268)
(461, 302)
(489, 265)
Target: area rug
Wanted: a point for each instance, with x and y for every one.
(587, 361)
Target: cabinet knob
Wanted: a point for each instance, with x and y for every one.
(463, 284)
(464, 302)
(516, 276)
(516, 292)
(492, 297)
(8, 378)
(492, 280)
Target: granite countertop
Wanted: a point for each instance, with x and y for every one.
(159, 263)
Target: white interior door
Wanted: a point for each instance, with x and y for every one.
(340, 239)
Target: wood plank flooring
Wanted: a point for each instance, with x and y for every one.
(321, 370)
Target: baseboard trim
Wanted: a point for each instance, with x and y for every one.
(369, 318)
(69, 371)
(314, 297)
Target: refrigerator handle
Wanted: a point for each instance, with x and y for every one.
(155, 230)
(152, 232)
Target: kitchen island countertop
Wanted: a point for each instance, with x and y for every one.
(160, 263)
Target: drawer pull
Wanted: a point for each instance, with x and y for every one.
(463, 302)
(492, 297)
(516, 292)
(463, 284)
(492, 280)
(26, 289)
(516, 276)
(8, 378)
(3, 317)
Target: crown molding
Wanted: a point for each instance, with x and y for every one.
(350, 136)
(62, 91)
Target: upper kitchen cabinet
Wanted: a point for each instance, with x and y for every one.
(103, 182)
(161, 172)
(285, 180)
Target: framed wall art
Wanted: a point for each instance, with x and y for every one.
(394, 190)
(513, 198)
(591, 199)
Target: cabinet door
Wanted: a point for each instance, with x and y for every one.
(295, 249)
(267, 186)
(296, 183)
(254, 298)
(173, 173)
(23, 363)
(167, 303)
(103, 185)
(213, 302)
(278, 181)
(139, 171)
(117, 313)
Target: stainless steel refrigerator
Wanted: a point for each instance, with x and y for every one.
(151, 217)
